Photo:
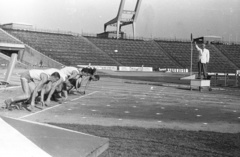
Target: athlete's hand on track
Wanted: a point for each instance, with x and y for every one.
(47, 103)
(42, 103)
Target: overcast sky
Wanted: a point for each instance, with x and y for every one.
(157, 18)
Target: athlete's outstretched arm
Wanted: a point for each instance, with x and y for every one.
(39, 86)
(52, 90)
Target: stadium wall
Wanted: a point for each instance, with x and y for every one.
(125, 68)
(32, 57)
(4, 60)
(99, 67)
(29, 56)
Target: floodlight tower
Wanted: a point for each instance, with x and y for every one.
(120, 21)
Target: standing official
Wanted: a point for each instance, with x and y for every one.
(203, 57)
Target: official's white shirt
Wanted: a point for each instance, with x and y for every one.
(68, 71)
(204, 55)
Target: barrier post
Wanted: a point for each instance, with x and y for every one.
(216, 79)
(236, 80)
(237, 77)
(11, 66)
(225, 80)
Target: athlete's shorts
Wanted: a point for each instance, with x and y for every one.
(73, 82)
(26, 75)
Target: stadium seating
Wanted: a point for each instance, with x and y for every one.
(218, 62)
(4, 38)
(65, 48)
(75, 50)
(232, 52)
(134, 52)
(181, 52)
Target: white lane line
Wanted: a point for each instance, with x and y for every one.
(12, 138)
(39, 111)
(55, 106)
(51, 126)
(153, 94)
(84, 96)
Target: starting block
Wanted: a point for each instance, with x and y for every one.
(200, 84)
(3, 84)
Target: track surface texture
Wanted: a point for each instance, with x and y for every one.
(134, 110)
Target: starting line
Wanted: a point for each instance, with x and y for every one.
(55, 106)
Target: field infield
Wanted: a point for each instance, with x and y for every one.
(118, 101)
(128, 110)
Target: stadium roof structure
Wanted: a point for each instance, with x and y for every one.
(208, 38)
(120, 21)
(18, 26)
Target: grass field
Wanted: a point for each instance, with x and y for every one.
(143, 117)
(142, 142)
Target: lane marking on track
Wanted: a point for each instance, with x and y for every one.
(52, 126)
(39, 111)
(166, 93)
(55, 106)
(84, 96)
(138, 90)
(9, 134)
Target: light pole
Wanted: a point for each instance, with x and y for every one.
(230, 37)
(191, 54)
(236, 38)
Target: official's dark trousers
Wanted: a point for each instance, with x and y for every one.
(202, 68)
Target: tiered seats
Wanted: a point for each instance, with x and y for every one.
(219, 63)
(4, 38)
(232, 52)
(77, 50)
(181, 51)
(134, 52)
(67, 49)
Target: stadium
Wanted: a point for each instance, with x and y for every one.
(146, 102)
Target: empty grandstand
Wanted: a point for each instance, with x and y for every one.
(61, 48)
(134, 52)
(65, 48)
(232, 52)
(180, 51)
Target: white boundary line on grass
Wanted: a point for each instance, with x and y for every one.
(51, 126)
(19, 138)
(56, 105)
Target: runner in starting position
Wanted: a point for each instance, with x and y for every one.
(32, 81)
